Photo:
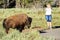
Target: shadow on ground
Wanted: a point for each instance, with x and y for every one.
(56, 27)
(44, 31)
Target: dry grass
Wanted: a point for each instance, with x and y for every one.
(38, 22)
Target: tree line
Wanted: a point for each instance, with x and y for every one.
(28, 3)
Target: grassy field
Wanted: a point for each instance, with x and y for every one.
(38, 16)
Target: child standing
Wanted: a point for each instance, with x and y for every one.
(48, 15)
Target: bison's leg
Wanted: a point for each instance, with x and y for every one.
(20, 28)
(7, 29)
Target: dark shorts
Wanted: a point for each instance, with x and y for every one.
(48, 18)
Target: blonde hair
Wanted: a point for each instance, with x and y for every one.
(48, 5)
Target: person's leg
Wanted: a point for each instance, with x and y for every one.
(50, 24)
(48, 18)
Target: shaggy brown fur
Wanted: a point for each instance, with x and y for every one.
(17, 21)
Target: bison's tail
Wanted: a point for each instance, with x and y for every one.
(4, 23)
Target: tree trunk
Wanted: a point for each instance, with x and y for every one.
(22, 2)
(59, 3)
(17, 3)
(5, 3)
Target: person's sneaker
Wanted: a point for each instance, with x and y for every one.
(49, 28)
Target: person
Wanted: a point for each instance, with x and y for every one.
(48, 15)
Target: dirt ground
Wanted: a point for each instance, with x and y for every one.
(55, 33)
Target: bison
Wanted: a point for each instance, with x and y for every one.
(18, 22)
